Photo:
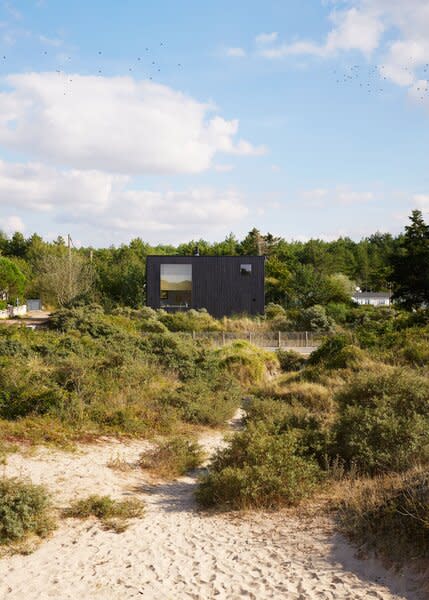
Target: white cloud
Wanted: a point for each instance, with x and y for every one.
(266, 38)
(236, 52)
(341, 195)
(421, 201)
(113, 124)
(391, 32)
(11, 224)
(353, 29)
(108, 202)
(223, 168)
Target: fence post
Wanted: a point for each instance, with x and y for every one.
(250, 336)
(223, 338)
(306, 339)
(193, 334)
(279, 339)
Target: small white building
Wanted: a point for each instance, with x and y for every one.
(372, 298)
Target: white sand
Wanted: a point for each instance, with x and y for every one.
(176, 552)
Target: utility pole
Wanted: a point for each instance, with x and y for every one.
(69, 243)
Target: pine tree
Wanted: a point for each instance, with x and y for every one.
(410, 263)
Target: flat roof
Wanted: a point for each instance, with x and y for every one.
(206, 256)
(372, 294)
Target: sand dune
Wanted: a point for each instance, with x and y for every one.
(177, 552)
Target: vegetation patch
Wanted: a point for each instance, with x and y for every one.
(258, 470)
(390, 515)
(25, 511)
(173, 457)
(113, 514)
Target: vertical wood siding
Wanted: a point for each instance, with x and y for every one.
(217, 283)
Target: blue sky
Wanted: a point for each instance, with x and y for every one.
(176, 120)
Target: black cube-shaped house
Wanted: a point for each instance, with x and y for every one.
(224, 285)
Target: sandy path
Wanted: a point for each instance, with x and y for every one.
(175, 552)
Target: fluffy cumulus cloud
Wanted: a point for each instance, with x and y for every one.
(393, 31)
(113, 124)
(355, 28)
(112, 203)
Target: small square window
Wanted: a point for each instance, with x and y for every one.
(245, 269)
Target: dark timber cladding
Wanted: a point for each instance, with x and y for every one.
(224, 285)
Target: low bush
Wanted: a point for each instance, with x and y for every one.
(290, 360)
(24, 510)
(173, 457)
(113, 514)
(258, 470)
(247, 363)
(383, 421)
(205, 400)
(314, 396)
(273, 310)
(191, 320)
(338, 352)
(389, 515)
(315, 319)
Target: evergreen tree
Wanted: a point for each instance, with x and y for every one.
(410, 263)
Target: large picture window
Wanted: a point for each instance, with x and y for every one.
(176, 286)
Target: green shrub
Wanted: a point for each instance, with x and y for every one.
(176, 352)
(173, 457)
(153, 326)
(205, 400)
(258, 470)
(11, 347)
(383, 421)
(191, 320)
(338, 352)
(113, 514)
(24, 510)
(273, 310)
(247, 363)
(290, 360)
(315, 319)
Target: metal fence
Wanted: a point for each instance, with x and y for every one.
(266, 339)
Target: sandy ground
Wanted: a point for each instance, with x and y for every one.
(176, 552)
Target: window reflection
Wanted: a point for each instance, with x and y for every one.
(176, 286)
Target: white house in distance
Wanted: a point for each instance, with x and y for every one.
(372, 298)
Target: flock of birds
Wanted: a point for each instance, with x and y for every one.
(146, 65)
(373, 79)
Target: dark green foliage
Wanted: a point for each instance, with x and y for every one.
(173, 457)
(411, 264)
(205, 400)
(327, 353)
(383, 421)
(12, 347)
(258, 470)
(290, 360)
(12, 279)
(315, 318)
(24, 510)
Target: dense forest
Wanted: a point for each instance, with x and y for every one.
(298, 274)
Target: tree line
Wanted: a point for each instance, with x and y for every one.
(298, 274)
